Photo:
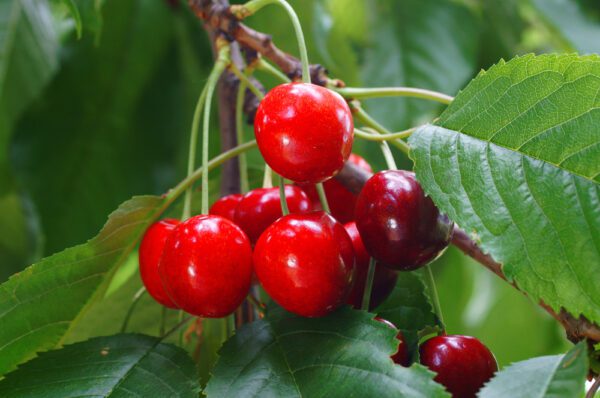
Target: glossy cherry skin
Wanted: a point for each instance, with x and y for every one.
(207, 265)
(383, 281)
(399, 225)
(462, 363)
(304, 131)
(341, 201)
(401, 356)
(260, 208)
(305, 262)
(226, 206)
(150, 252)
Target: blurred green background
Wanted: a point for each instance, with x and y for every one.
(86, 123)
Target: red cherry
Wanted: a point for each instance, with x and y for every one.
(462, 363)
(260, 208)
(401, 356)
(306, 263)
(383, 281)
(398, 224)
(341, 201)
(226, 206)
(304, 131)
(151, 250)
(206, 266)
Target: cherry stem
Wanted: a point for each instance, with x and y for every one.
(259, 306)
(323, 197)
(253, 6)
(267, 177)
(284, 206)
(593, 389)
(366, 299)
(187, 203)
(176, 327)
(265, 66)
(384, 137)
(388, 156)
(367, 120)
(223, 60)
(239, 131)
(364, 93)
(437, 308)
(136, 298)
(247, 82)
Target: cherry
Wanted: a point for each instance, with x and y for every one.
(462, 363)
(304, 131)
(401, 356)
(206, 266)
(305, 262)
(151, 250)
(398, 224)
(226, 206)
(341, 201)
(259, 208)
(383, 281)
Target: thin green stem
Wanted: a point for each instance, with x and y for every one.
(136, 298)
(176, 327)
(366, 299)
(437, 308)
(267, 177)
(284, 206)
(367, 120)
(265, 66)
(384, 137)
(388, 156)
(363, 93)
(239, 131)
(254, 5)
(213, 78)
(247, 82)
(187, 203)
(323, 198)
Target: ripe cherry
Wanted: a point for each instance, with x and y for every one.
(304, 131)
(383, 281)
(398, 224)
(260, 207)
(462, 363)
(305, 262)
(341, 201)
(226, 206)
(206, 266)
(151, 250)
(401, 356)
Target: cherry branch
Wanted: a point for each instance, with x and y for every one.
(218, 18)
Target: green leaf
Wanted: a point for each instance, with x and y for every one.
(555, 376)
(28, 59)
(514, 162)
(40, 304)
(70, 4)
(344, 354)
(429, 44)
(568, 19)
(120, 365)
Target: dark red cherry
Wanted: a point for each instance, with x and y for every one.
(462, 363)
(383, 281)
(260, 207)
(401, 356)
(304, 131)
(305, 262)
(151, 249)
(399, 225)
(207, 265)
(226, 206)
(341, 201)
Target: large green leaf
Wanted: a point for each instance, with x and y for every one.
(344, 354)
(40, 304)
(568, 19)
(28, 59)
(430, 44)
(556, 376)
(514, 161)
(114, 366)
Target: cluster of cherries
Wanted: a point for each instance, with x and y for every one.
(308, 261)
